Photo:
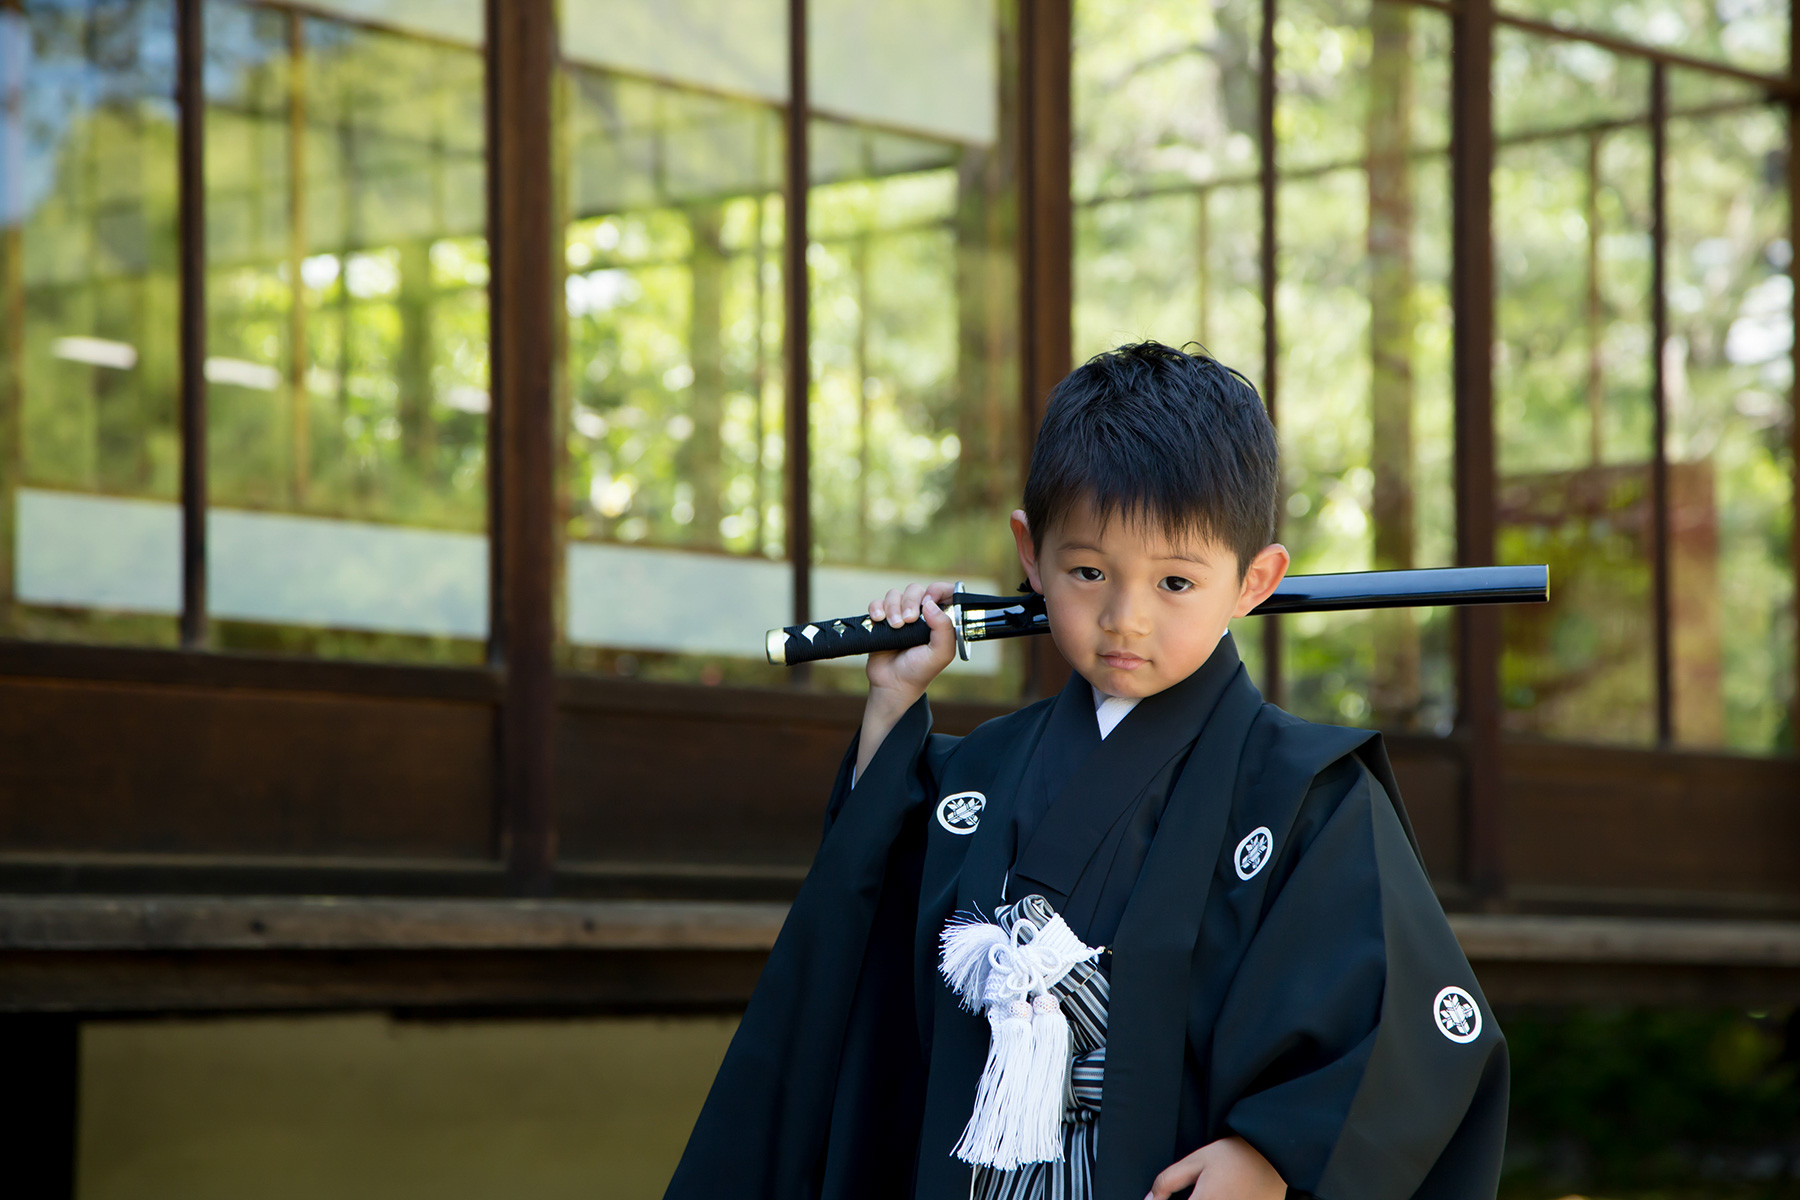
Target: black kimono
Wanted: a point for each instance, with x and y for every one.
(1279, 966)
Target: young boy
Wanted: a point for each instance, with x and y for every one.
(1148, 935)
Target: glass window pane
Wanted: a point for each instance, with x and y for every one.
(1573, 410)
(1745, 33)
(347, 332)
(1364, 326)
(914, 284)
(90, 456)
(1729, 383)
(1165, 94)
(1546, 84)
(1165, 168)
(675, 518)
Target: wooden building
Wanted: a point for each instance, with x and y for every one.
(411, 414)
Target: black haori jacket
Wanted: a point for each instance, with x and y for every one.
(1280, 967)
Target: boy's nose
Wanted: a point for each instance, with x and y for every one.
(1125, 615)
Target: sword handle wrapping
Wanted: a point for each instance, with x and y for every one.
(842, 638)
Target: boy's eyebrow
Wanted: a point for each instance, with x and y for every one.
(1198, 562)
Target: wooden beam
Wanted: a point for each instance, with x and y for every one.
(206, 923)
(197, 954)
(526, 281)
(488, 982)
(71, 662)
(180, 923)
(1492, 937)
(1472, 291)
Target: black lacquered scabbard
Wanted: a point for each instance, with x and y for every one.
(979, 618)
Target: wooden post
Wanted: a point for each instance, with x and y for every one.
(1659, 398)
(1472, 289)
(1267, 185)
(1046, 247)
(190, 95)
(524, 284)
(797, 282)
(1793, 203)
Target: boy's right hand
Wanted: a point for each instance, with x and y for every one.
(897, 678)
(905, 674)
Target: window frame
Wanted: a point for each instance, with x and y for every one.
(520, 677)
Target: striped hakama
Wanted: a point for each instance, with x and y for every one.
(1083, 994)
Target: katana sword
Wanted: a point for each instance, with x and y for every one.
(979, 618)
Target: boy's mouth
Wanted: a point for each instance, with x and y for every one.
(1120, 660)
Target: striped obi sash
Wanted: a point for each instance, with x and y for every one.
(1083, 994)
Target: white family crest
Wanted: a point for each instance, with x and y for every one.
(1253, 853)
(960, 812)
(1458, 1017)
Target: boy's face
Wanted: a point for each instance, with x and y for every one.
(1132, 611)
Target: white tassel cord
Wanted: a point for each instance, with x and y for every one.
(963, 961)
(994, 1135)
(1017, 1118)
(1049, 1070)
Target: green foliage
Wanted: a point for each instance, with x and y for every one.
(1654, 1102)
(1167, 235)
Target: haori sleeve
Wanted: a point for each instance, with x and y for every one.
(762, 1131)
(1355, 1050)
(908, 759)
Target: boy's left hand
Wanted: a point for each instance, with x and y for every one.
(1228, 1169)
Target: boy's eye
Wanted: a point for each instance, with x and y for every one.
(1089, 574)
(1176, 583)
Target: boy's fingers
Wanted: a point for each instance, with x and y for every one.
(940, 591)
(1174, 1178)
(892, 607)
(938, 619)
(943, 633)
(915, 592)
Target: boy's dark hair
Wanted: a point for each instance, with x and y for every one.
(1150, 433)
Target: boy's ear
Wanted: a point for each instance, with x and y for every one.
(1027, 551)
(1267, 570)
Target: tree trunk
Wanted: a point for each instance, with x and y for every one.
(701, 465)
(1394, 689)
(418, 430)
(299, 423)
(986, 480)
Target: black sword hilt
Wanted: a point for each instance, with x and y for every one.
(979, 618)
(975, 617)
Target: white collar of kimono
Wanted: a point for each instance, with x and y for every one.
(1110, 710)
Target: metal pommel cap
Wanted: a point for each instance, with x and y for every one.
(778, 647)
